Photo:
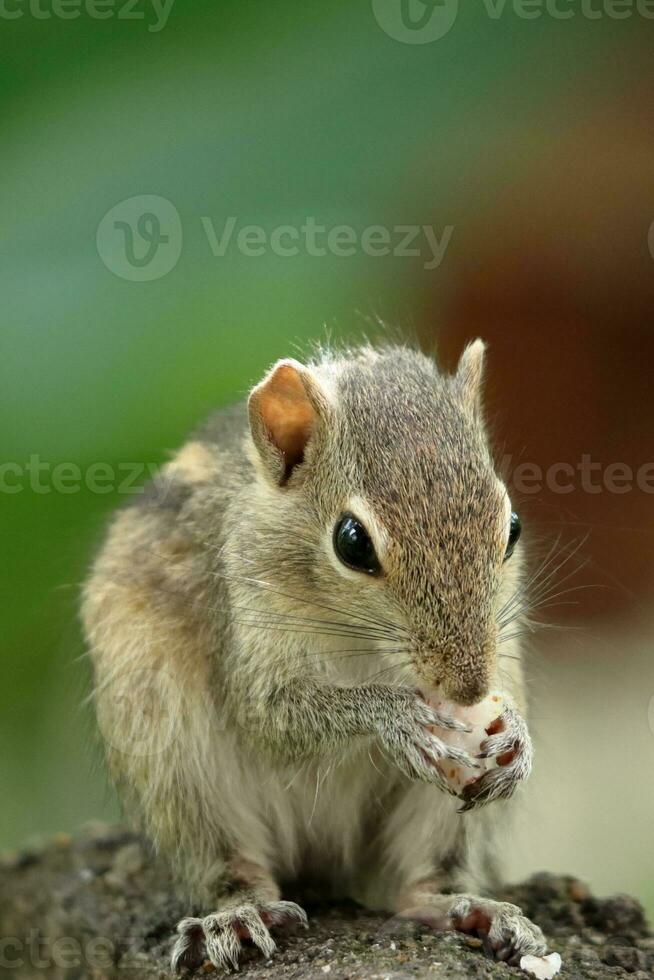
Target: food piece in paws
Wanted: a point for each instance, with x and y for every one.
(483, 719)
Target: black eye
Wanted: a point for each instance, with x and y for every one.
(353, 546)
(515, 527)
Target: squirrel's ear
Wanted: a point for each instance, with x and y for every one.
(284, 410)
(470, 374)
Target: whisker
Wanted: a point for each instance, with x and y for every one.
(278, 628)
(397, 627)
(574, 549)
(407, 663)
(552, 596)
(549, 599)
(527, 585)
(539, 590)
(363, 653)
(340, 624)
(266, 587)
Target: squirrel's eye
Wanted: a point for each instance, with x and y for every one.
(353, 546)
(515, 527)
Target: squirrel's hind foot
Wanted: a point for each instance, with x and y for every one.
(219, 936)
(506, 933)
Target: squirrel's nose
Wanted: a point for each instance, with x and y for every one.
(466, 690)
(467, 673)
(462, 670)
(464, 686)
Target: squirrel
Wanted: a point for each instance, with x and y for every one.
(264, 621)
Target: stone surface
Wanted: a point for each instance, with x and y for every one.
(96, 905)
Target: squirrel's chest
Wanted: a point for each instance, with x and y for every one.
(348, 823)
(326, 815)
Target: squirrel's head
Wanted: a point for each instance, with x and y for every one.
(383, 497)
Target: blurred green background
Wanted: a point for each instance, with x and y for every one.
(270, 112)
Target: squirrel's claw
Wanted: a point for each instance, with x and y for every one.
(218, 936)
(512, 749)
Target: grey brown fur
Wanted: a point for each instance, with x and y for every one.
(261, 704)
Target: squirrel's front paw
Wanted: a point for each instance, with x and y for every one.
(219, 936)
(405, 735)
(510, 746)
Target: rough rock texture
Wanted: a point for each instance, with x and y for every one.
(97, 905)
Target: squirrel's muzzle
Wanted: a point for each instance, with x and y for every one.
(464, 674)
(466, 690)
